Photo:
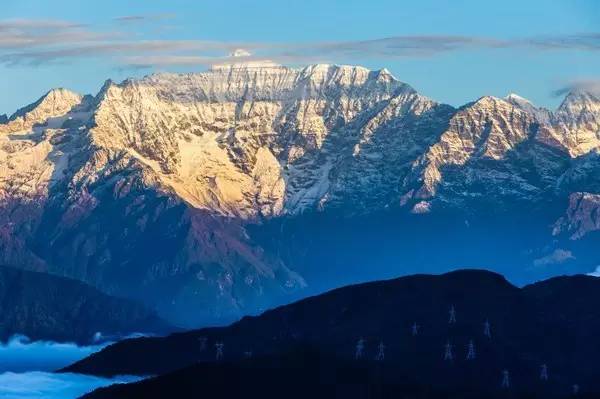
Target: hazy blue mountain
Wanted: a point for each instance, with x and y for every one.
(52, 308)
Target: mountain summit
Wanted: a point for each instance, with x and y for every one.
(210, 195)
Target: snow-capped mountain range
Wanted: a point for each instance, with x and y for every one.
(150, 188)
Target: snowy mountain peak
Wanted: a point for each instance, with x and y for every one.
(177, 165)
(383, 75)
(257, 64)
(578, 101)
(487, 104)
(345, 75)
(55, 103)
(542, 115)
(385, 71)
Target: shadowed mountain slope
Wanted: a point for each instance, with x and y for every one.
(553, 322)
(45, 307)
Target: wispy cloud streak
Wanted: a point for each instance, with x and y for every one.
(21, 34)
(114, 48)
(587, 41)
(143, 18)
(36, 42)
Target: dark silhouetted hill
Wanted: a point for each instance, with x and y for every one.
(554, 322)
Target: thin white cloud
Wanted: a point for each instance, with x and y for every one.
(170, 49)
(558, 256)
(143, 18)
(19, 352)
(36, 42)
(583, 41)
(38, 24)
(240, 52)
(47, 385)
(20, 34)
(581, 85)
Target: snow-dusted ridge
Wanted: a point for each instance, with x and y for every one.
(251, 140)
(160, 175)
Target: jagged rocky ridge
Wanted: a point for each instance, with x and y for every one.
(160, 188)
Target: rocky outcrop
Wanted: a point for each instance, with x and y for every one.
(490, 129)
(209, 135)
(54, 104)
(581, 217)
(577, 123)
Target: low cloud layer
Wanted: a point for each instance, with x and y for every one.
(25, 370)
(35, 42)
(46, 385)
(19, 354)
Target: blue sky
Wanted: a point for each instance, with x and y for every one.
(452, 51)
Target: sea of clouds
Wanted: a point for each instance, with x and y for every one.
(26, 370)
(46, 385)
(20, 354)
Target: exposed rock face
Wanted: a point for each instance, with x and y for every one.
(541, 114)
(582, 216)
(250, 142)
(53, 104)
(147, 189)
(577, 122)
(509, 148)
(487, 129)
